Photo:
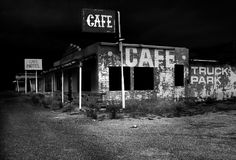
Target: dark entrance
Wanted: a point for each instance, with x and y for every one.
(70, 86)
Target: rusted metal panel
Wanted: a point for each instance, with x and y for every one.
(212, 80)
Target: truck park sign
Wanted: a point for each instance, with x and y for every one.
(96, 20)
(208, 75)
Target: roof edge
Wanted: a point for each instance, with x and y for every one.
(138, 45)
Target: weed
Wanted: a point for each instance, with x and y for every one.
(37, 99)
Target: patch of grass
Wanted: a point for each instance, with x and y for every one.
(161, 107)
(113, 108)
(8, 94)
(46, 101)
(37, 99)
(170, 108)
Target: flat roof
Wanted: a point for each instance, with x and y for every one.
(138, 45)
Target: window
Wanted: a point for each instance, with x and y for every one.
(115, 78)
(143, 78)
(48, 85)
(58, 81)
(179, 75)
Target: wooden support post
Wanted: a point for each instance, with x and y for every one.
(62, 86)
(17, 85)
(36, 81)
(80, 85)
(52, 83)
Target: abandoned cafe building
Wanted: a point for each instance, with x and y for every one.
(150, 72)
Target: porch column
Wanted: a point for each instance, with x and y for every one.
(80, 85)
(17, 85)
(36, 81)
(30, 85)
(44, 83)
(62, 86)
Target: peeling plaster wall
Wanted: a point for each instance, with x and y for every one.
(212, 81)
(162, 60)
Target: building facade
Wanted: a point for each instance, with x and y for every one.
(150, 72)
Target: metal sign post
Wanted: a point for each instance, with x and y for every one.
(25, 82)
(121, 61)
(36, 81)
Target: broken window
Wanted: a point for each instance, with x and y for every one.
(48, 85)
(115, 78)
(143, 78)
(89, 72)
(58, 81)
(179, 75)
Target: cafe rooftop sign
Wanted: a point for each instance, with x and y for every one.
(97, 20)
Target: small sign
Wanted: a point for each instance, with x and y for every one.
(97, 20)
(33, 64)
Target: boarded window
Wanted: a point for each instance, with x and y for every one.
(115, 78)
(179, 75)
(143, 78)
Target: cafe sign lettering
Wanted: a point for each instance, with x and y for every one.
(96, 20)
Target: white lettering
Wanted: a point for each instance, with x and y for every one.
(208, 71)
(194, 70)
(109, 22)
(224, 71)
(158, 57)
(169, 59)
(128, 57)
(97, 21)
(202, 70)
(216, 71)
(103, 20)
(89, 18)
(201, 80)
(217, 80)
(210, 79)
(208, 74)
(145, 58)
(194, 79)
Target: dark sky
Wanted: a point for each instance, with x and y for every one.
(45, 28)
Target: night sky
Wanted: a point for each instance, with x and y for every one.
(45, 28)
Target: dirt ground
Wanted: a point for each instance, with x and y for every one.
(33, 132)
